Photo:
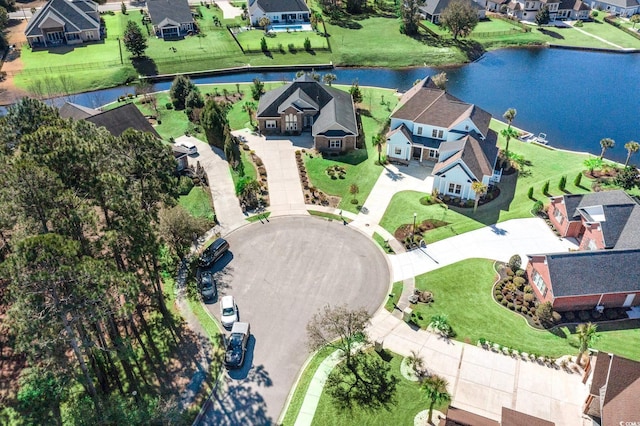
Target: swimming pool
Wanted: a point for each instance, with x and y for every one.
(292, 27)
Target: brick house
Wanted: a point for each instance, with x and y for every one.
(607, 227)
(307, 105)
(509, 417)
(614, 390)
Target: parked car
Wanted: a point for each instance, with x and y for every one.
(237, 345)
(208, 287)
(228, 311)
(189, 146)
(214, 252)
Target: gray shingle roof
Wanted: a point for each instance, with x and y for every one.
(478, 155)
(71, 13)
(436, 7)
(335, 106)
(594, 272)
(616, 381)
(620, 3)
(124, 117)
(575, 201)
(573, 5)
(271, 6)
(77, 112)
(170, 10)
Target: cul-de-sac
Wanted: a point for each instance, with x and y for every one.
(319, 212)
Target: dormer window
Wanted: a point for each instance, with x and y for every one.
(437, 134)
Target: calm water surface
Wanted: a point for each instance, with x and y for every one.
(575, 97)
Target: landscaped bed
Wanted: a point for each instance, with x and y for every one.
(463, 292)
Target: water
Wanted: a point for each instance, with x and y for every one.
(575, 97)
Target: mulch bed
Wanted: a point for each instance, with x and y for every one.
(423, 227)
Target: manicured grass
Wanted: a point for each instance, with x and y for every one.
(544, 164)
(392, 301)
(257, 217)
(198, 202)
(329, 216)
(463, 292)
(382, 243)
(410, 400)
(360, 164)
(610, 33)
(279, 41)
(303, 384)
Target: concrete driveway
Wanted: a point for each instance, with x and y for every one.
(280, 273)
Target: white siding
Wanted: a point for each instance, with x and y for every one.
(398, 140)
(457, 176)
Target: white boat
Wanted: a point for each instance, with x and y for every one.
(530, 138)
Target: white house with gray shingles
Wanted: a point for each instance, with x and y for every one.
(432, 9)
(431, 125)
(64, 22)
(279, 11)
(306, 105)
(625, 8)
(171, 18)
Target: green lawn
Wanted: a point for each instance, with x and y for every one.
(543, 164)
(610, 33)
(359, 164)
(410, 401)
(462, 291)
(382, 243)
(300, 392)
(392, 301)
(198, 202)
(279, 41)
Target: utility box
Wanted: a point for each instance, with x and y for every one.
(406, 314)
(378, 345)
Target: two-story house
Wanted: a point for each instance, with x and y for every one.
(61, 22)
(527, 10)
(605, 272)
(431, 125)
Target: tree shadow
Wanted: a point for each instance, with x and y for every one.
(145, 65)
(551, 34)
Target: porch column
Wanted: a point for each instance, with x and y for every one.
(421, 153)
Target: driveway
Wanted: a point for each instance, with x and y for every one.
(228, 211)
(281, 272)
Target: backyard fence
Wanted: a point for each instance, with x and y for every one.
(524, 27)
(488, 34)
(66, 68)
(230, 29)
(611, 20)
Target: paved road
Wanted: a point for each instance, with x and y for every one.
(281, 272)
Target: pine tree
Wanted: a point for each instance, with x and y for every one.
(134, 40)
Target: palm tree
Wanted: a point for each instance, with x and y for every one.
(509, 133)
(586, 334)
(632, 147)
(480, 189)
(249, 107)
(377, 141)
(329, 78)
(436, 390)
(606, 143)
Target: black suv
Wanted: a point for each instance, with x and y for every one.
(214, 252)
(237, 345)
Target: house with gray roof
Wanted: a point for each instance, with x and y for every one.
(64, 22)
(278, 11)
(307, 105)
(171, 19)
(434, 127)
(624, 8)
(607, 227)
(432, 9)
(574, 10)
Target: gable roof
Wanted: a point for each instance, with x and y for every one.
(616, 381)
(335, 106)
(271, 6)
(620, 3)
(426, 104)
(573, 5)
(76, 112)
(594, 272)
(458, 417)
(436, 7)
(71, 14)
(516, 418)
(575, 201)
(124, 117)
(163, 12)
(478, 155)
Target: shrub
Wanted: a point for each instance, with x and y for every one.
(584, 315)
(307, 44)
(511, 306)
(578, 24)
(499, 297)
(555, 317)
(528, 289)
(504, 302)
(292, 48)
(515, 262)
(508, 271)
(520, 273)
(263, 45)
(185, 184)
(519, 281)
(545, 312)
(530, 193)
(594, 13)
(578, 179)
(537, 207)
(426, 200)
(610, 314)
(258, 162)
(525, 310)
(545, 188)
(518, 308)
(168, 105)
(563, 180)
(529, 297)
(569, 316)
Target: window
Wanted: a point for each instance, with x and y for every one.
(591, 245)
(437, 134)
(433, 153)
(270, 124)
(455, 189)
(398, 151)
(419, 132)
(539, 282)
(335, 143)
(558, 215)
(291, 122)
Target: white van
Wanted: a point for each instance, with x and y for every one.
(190, 146)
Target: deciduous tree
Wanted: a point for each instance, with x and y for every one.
(180, 89)
(459, 18)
